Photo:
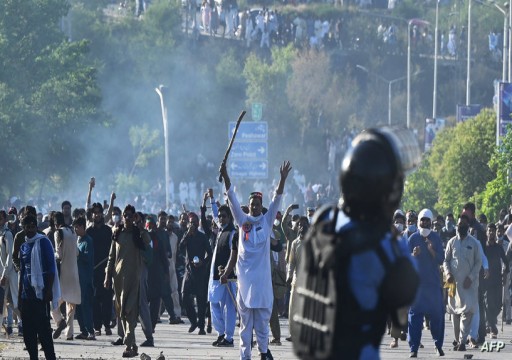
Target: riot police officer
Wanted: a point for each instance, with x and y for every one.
(355, 273)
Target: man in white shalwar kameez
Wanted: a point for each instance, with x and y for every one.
(255, 296)
(66, 251)
(462, 264)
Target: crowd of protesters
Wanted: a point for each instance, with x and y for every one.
(107, 265)
(111, 267)
(464, 263)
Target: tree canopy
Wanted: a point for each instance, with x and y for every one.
(78, 79)
(48, 95)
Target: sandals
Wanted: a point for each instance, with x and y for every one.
(472, 344)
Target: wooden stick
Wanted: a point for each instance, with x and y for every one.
(242, 114)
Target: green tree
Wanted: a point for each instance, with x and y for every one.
(460, 161)
(266, 84)
(145, 146)
(48, 96)
(457, 170)
(498, 192)
(420, 190)
(313, 89)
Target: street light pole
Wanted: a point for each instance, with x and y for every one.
(409, 74)
(509, 41)
(389, 82)
(419, 22)
(468, 75)
(506, 37)
(434, 100)
(161, 91)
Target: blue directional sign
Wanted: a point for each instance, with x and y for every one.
(254, 150)
(248, 169)
(249, 131)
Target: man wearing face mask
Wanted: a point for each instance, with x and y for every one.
(411, 218)
(463, 260)
(399, 220)
(116, 216)
(426, 247)
(289, 228)
(448, 230)
(101, 235)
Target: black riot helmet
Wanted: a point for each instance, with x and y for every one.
(372, 173)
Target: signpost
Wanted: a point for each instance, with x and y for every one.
(504, 107)
(248, 169)
(250, 131)
(255, 150)
(249, 155)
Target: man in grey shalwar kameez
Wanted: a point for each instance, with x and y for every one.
(462, 264)
(124, 268)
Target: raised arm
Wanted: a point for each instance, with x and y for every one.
(284, 170)
(225, 176)
(204, 222)
(273, 208)
(234, 205)
(215, 208)
(110, 207)
(92, 182)
(285, 224)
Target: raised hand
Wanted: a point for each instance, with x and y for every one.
(285, 169)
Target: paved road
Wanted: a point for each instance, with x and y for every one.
(177, 343)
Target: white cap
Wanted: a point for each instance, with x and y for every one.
(425, 213)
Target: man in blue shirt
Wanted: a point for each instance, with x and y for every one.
(37, 277)
(426, 247)
(85, 261)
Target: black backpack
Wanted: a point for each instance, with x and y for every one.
(326, 319)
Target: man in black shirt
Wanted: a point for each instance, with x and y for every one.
(101, 235)
(195, 281)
